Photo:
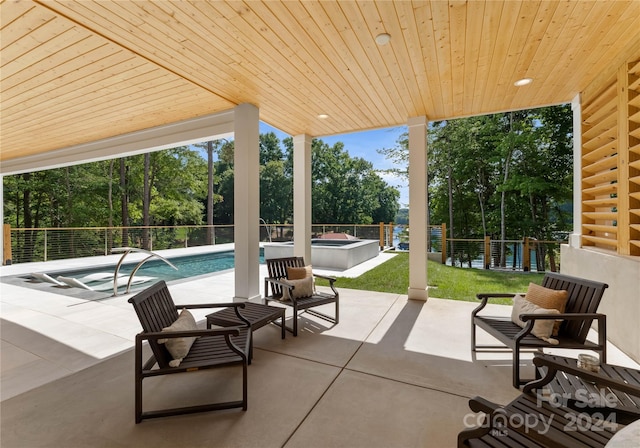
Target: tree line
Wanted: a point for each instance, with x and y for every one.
(194, 186)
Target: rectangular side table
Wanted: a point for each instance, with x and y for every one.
(257, 314)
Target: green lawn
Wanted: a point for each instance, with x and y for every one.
(445, 282)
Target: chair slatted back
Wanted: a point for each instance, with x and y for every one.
(156, 310)
(277, 268)
(584, 296)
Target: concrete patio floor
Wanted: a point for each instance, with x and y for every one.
(393, 373)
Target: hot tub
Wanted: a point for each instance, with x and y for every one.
(329, 254)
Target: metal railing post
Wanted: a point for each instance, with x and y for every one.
(45, 245)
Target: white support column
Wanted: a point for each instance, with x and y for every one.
(418, 211)
(575, 237)
(2, 242)
(302, 197)
(246, 208)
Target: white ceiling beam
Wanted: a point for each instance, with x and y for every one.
(187, 132)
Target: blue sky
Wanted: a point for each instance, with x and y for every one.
(364, 145)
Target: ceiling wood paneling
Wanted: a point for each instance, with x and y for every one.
(76, 71)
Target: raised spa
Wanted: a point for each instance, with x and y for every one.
(329, 254)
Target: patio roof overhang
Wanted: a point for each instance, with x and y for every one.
(75, 72)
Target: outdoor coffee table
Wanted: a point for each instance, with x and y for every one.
(257, 314)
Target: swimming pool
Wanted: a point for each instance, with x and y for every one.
(188, 266)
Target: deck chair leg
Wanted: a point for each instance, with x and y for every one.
(473, 335)
(245, 394)
(516, 368)
(138, 400)
(138, 380)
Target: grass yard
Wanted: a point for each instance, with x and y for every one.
(445, 282)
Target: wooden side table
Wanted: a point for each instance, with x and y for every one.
(257, 314)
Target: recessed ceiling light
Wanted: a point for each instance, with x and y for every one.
(523, 82)
(323, 116)
(383, 38)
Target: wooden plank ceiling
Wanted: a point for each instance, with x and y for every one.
(78, 71)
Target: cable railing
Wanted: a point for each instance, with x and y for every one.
(527, 254)
(45, 244)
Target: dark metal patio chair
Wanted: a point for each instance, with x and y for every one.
(213, 348)
(582, 303)
(276, 282)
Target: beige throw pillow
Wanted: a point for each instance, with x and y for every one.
(299, 273)
(301, 288)
(542, 328)
(555, 299)
(179, 347)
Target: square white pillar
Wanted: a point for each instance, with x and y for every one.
(246, 210)
(576, 234)
(302, 197)
(2, 241)
(418, 208)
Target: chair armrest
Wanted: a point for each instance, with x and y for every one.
(601, 318)
(234, 305)
(479, 404)
(211, 305)
(496, 295)
(331, 280)
(154, 336)
(554, 365)
(484, 297)
(325, 277)
(477, 429)
(530, 319)
(282, 283)
(278, 282)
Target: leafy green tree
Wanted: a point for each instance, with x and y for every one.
(343, 187)
(276, 193)
(270, 149)
(505, 175)
(388, 202)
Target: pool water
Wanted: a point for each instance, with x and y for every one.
(188, 266)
